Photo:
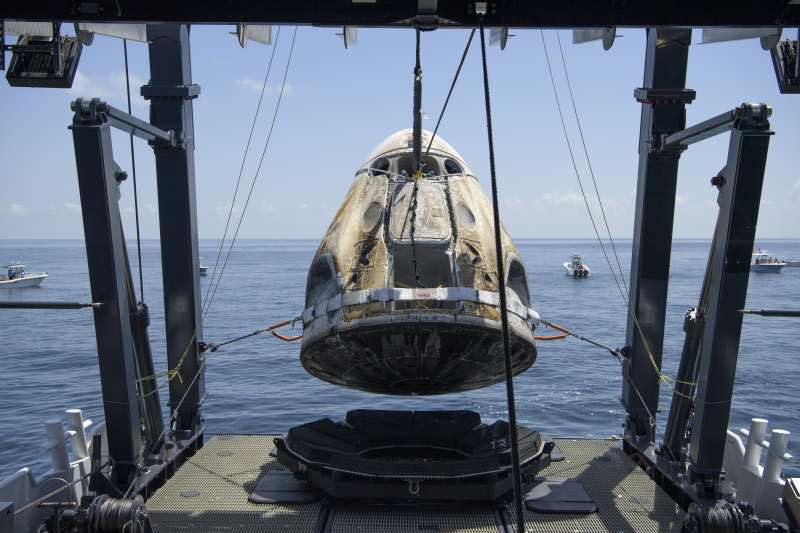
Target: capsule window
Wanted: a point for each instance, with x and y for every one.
(452, 167)
(321, 283)
(380, 166)
(430, 167)
(518, 282)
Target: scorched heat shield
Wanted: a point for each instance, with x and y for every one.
(402, 295)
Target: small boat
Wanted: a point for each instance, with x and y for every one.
(203, 268)
(763, 262)
(576, 267)
(15, 277)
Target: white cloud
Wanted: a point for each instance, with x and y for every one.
(796, 190)
(19, 210)
(110, 86)
(512, 204)
(303, 205)
(568, 199)
(222, 210)
(251, 84)
(680, 200)
(72, 207)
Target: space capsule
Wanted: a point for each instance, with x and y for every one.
(402, 295)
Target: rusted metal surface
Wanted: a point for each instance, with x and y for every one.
(401, 229)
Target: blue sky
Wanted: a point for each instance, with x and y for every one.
(340, 104)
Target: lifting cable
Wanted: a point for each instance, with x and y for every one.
(616, 352)
(662, 377)
(512, 414)
(241, 167)
(412, 205)
(417, 149)
(271, 329)
(255, 178)
(567, 333)
(133, 171)
(589, 163)
(450, 92)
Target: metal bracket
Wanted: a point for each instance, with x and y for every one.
(650, 96)
(744, 117)
(427, 15)
(186, 92)
(97, 111)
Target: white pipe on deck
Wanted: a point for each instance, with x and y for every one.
(752, 453)
(75, 423)
(778, 443)
(57, 445)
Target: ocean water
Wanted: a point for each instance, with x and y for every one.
(48, 359)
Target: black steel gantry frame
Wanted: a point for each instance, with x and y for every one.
(129, 387)
(689, 463)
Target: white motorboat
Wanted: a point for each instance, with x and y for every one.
(576, 267)
(203, 268)
(763, 262)
(15, 277)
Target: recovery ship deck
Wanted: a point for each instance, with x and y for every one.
(210, 493)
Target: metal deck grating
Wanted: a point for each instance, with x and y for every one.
(402, 519)
(628, 500)
(209, 493)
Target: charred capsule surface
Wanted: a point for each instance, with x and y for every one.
(402, 294)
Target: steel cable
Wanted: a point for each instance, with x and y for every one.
(241, 167)
(133, 171)
(512, 413)
(257, 174)
(662, 377)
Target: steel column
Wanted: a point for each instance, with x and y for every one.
(170, 93)
(739, 197)
(663, 99)
(99, 192)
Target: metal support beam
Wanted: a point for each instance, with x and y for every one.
(99, 192)
(663, 99)
(170, 93)
(739, 186)
(403, 13)
(138, 127)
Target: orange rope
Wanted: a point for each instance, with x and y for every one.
(565, 333)
(287, 338)
(549, 337)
